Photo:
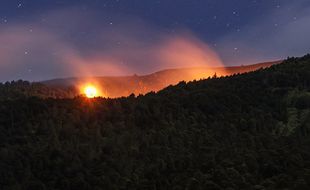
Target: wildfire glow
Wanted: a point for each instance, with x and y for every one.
(90, 91)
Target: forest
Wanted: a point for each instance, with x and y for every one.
(246, 131)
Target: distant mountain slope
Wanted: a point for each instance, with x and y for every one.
(117, 86)
(126, 85)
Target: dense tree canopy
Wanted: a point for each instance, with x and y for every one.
(246, 131)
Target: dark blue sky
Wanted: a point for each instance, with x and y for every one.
(42, 39)
(208, 18)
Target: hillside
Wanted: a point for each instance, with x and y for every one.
(126, 85)
(117, 86)
(246, 131)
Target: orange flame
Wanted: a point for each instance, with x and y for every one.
(91, 90)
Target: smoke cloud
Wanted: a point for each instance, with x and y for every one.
(67, 43)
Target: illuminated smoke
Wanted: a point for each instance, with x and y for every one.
(36, 51)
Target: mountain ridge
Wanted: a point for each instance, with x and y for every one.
(119, 86)
(57, 81)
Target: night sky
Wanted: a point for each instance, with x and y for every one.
(44, 39)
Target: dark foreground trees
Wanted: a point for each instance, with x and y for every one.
(248, 131)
